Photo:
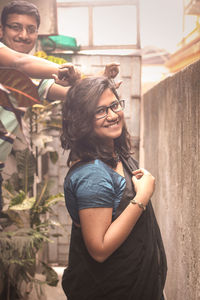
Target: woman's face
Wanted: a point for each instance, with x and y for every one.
(108, 124)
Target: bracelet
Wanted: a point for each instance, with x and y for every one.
(141, 205)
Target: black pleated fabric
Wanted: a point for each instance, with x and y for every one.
(135, 271)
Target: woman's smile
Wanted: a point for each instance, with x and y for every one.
(114, 124)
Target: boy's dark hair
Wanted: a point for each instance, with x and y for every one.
(21, 8)
(77, 124)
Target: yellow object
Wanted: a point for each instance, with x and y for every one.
(57, 60)
(41, 54)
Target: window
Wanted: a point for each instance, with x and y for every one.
(100, 24)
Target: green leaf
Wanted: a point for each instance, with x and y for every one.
(18, 199)
(26, 168)
(21, 86)
(54, 199)
(15, 218)
(56, 235)
(25, 205)
(51, 275)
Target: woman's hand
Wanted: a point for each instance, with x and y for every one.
(144, 184)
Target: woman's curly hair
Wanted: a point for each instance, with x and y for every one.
(78, 134)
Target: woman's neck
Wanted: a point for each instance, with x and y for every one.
(119, 168)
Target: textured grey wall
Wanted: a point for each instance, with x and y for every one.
(171, 140)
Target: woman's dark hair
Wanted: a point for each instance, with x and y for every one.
(20, 8)
(77, 123)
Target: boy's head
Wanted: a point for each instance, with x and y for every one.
(20, 21)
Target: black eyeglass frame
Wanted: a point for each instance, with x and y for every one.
(19, 28)
(111, 106)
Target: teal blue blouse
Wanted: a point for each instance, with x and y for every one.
(92, 184)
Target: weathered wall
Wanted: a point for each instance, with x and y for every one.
(171, 141)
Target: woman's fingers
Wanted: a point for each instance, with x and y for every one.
(138, 173)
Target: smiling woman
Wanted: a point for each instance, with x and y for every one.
(109, 118)
(116, 249)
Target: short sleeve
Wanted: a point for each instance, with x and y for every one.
(10, 128)
(93, 187)
(44, 87)
(2, 45)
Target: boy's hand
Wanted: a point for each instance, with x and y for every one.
(67, 75)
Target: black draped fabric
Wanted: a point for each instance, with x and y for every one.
(135, 271)
(1, 198)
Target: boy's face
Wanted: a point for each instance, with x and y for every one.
(20, 32)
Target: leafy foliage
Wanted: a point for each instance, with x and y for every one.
(24, 227)
(21, 86)
(26, 168)
(45, 118)
(25, 230)
(18, 258)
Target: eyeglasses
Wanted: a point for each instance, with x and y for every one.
(30, 29)
(102, 111)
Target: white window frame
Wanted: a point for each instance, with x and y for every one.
(90, 6)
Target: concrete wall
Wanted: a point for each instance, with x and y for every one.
(171, 144)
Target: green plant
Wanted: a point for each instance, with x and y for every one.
(17, 257)
(24, 232)
(24, 228)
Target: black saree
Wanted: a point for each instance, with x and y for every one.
(135, 271)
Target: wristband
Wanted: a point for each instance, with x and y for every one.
(141, 205)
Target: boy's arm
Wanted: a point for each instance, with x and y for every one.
(32, 66)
